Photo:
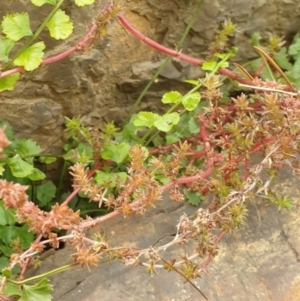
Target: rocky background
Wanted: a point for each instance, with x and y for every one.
(103, 83)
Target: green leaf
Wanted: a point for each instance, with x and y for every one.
(223, 65)
(42, 2)
(6, 250)
(166, 122)
(47, 160)
(9, 133)
(31, 57)
(7, 216)
(172, 138)
(110, 180)
(28, 148)
(193, 197)
(60, 26)
(38, 292)
(295, 72)
(193, 126)
(192, 82)
(9, 233)
(146, 119)
(19, 167)
(45, 193)
(2, 169)
(8, 82)
(294, 49)
(190, 101)
(255, 37)
(36, 175)
(116, 152)
(209, 66)
(83, 153)
(24, 235)
(6, 46)
(16, 26)
(10, 289)
(172, 97)
(84, 2)
(281, 58)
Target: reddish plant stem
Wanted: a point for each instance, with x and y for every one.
(24, 267)
(177, 54)
(247, 168)
(59, 56)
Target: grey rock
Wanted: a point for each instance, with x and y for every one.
(257, 263)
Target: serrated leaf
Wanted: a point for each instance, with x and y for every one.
(84, 2)
(8, 82)
(190, 101)
(6, 46)
(193, 197)
(171, 97)
(16, 26)
(38, 292)
(146, 119)
(166, 122)
(28, 148)
(116, 152)
(108, 179)
(19, 167)
(7, 216)
(31, 57)
(36, 175)
(45, 193)
(60, 26)
(42, 2)
(209, 66)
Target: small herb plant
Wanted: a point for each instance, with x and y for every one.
(200, 147)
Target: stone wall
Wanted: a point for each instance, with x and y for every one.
(103, 83)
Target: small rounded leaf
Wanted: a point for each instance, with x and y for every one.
(171, 97)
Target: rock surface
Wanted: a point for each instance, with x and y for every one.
(102, 84)
(260, 262)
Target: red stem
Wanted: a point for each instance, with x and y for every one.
(177, 54)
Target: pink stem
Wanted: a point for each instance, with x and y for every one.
(177, 54)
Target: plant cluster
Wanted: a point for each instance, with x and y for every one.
(199, 149)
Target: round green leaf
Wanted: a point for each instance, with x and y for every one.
(16, 26)
(60, 26)
(190, 101)
(19, 167)
(116, 152)
(8, 82)
(146, 119)
(171, 97)
(31, 57)
(166, 122)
